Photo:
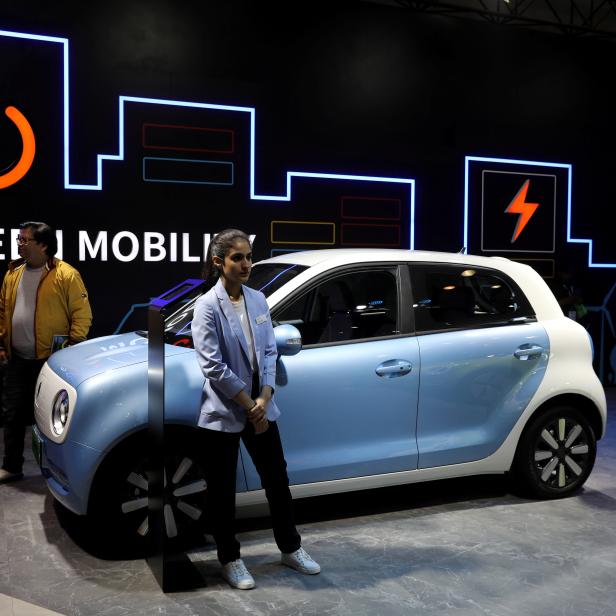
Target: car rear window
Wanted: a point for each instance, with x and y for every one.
(460, 296)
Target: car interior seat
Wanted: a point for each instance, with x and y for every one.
(336, 306)
(455, 305)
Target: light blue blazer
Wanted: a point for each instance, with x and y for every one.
(223, 355)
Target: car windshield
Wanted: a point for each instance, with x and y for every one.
(269, 277)
(265, 277)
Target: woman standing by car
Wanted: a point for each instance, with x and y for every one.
(236, 350)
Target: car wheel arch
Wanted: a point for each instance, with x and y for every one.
(132, 442)
(577, 401)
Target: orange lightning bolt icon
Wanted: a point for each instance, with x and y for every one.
(519, 206)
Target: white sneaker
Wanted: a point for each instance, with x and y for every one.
(300, 561)
(7, 476)
(237, 576)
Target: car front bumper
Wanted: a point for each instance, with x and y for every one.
(68, 469)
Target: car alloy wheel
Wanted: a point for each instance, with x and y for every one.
(119, 500)
(184, 488)
(557, 452)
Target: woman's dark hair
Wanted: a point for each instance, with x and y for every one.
(219, 245)
(43, 234)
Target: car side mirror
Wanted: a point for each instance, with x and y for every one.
(288, 339)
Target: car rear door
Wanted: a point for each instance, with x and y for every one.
(483, 356)
(349, 397)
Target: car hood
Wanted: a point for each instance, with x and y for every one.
(87, 359)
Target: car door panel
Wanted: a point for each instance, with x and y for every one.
(340, 418)
(475, 384)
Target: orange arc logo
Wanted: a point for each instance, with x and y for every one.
(28, 148)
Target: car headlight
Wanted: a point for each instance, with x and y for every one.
(59, 412)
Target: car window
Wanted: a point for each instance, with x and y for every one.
(350, 306)
(458, 296)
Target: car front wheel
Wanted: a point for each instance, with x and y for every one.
(556, 453)
(121, 493)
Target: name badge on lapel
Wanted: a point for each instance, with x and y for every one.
(261, 319)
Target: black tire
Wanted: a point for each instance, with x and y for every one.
(556, 453)
(119, 494)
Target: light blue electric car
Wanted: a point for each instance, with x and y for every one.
(413, 366)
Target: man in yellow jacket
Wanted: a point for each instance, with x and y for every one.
(43, 305)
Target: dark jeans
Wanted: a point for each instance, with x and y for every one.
(18, 408)
(219, 460)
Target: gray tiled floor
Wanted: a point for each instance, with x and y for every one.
(456, 547)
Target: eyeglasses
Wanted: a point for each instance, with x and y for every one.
(23, 241)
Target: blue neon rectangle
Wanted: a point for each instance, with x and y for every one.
(187, 171)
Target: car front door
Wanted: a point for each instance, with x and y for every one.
(483, 356)
(349, 398)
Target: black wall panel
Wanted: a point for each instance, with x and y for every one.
(384, 95)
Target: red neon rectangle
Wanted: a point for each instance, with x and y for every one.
(187, 138)
(370, 208)
(377, 236)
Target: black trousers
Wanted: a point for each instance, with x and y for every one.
(18, 408)
(219, 452)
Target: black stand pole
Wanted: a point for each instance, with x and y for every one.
(170, 566)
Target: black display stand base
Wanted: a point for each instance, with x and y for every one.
(176, 573)
(172, 569)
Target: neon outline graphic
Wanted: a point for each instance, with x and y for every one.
(118, 329)
(550, 261)
(354, 217)
(484, 172)
(302, 222)
(290, 175)
(188, 160)
(203, 129)
(28, 148)
(347, 225)
(569, 169)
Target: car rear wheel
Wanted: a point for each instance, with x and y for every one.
(120, 494)
(556, 453)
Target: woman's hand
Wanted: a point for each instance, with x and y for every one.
(257, 415)
(258, 411)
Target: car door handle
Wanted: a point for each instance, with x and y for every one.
(393, 368)
(528, 351)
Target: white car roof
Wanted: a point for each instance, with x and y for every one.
(342, 256)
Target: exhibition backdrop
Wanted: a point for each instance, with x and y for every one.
(138, 129)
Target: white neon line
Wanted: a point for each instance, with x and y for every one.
(121, 126)
(535, 163)
(569, 189)
(122, 99)
(252, 155)
(412, 221)
(174, 103)
(66, 113)
(465, 231)
(34, 37)
(337, 176)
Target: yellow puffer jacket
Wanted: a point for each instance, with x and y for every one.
(62, 306)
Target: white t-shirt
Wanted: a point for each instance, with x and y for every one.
(242, 315)
(22, 334)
